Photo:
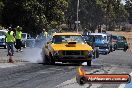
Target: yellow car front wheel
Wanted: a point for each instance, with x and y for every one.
(51, 61)
(45, 59)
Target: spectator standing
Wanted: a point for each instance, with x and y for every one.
(85, 32)
(18, 38)
(10, 39)
(45, 33)
(42, 38)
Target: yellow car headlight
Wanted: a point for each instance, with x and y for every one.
(57, 53)
(87, 52)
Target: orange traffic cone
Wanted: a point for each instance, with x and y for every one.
(10, 59)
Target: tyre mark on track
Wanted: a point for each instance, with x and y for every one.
(42, 73)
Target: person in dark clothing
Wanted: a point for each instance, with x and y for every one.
(18, 38)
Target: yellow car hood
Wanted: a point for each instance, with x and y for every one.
(75, 47)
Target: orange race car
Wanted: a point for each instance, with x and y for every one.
(67, 47)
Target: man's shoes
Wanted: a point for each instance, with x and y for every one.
(12, 55)
(21, 50)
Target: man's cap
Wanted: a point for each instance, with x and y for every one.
(19, 28)
(43, 29)
(9, 28)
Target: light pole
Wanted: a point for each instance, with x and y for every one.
(77, 15)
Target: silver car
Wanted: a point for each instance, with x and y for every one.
(2, 38)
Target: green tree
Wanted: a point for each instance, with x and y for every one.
(90, 13)
(55, 11)
(114, 12)
(128, 7)
(33, 15)
(1, 9)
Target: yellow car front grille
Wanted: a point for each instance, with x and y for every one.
(75, 52)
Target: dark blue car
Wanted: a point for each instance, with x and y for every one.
(102, 41)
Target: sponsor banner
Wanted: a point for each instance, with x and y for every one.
(83, 77)
(109, 78)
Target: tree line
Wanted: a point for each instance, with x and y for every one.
(34, 15)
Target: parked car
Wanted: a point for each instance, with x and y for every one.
(114, 41)
(24, 39)
(2, 38)
(90, 39)
(67, 47)
(30, 42)
(120, 42)
(103, 41)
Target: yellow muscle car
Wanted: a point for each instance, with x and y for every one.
(67, 47)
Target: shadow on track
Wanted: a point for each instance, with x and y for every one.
(2, 48)
(74, 64)
(62, 64)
